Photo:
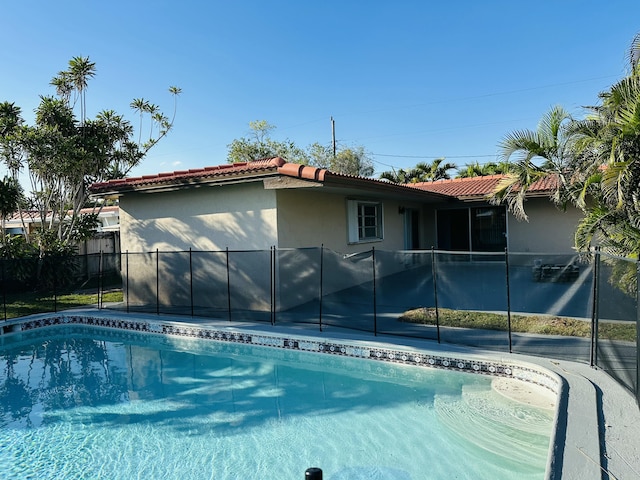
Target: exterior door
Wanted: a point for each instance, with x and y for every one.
(411, 229)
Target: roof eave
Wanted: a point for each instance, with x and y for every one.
(183, 183)
(363, 183)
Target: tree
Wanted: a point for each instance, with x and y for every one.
(399, 176)
(11, 151)
(10, 197)
(538, 154)
(348, 161)
(63, 155)
(422, 172)
(607, 150)
(482, 170)
(595, 161)
(260, 145)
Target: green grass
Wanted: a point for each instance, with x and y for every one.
(540, 324)
(30, 302)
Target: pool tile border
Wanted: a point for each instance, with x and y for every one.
(415, 357)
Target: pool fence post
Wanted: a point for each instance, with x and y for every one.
(157, 281)
(637, 392)
(4, 290)
(506, 264)
(273, 285)
(435, 290)
(228, 287)
(375, 311)
(55, 280)
(595, 306)
(313, 473)
(321, 286)
(100, 279)
(191, 280)
(126, 274)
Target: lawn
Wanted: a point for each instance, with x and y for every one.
(540, 324)
(31, 302)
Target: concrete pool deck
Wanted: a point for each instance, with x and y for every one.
(597, 419)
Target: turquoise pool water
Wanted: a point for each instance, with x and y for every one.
(84, 403)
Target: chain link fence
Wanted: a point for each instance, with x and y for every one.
(578, 307)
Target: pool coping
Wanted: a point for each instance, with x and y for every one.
(574, 450)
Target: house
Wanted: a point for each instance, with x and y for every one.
(269, 203)
(265, 203)
(257, 205)
(105, 239)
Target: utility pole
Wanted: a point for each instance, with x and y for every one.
(333, 136)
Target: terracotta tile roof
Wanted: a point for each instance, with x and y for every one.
(255, 169)
(188, 176)
(30, 216)
(475, 187)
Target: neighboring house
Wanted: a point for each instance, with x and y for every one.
(106, 238)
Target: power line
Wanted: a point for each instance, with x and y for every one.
(433, 156)
(450, 100)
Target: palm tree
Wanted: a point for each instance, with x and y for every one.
(139, 105)
(608, 157)
(152, 109)
(396, 177)
(64, 88)
(422, 172)
(596, 162)
(538, 154)
(79, 72)
(10, 197)
(482, 170)
(11, 151)
(437, 170)
(175, 91)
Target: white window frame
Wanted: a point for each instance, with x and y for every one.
(355, 212)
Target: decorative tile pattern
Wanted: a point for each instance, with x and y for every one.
(333, 347)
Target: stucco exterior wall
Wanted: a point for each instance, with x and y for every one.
(206, 220)
(549, 230)
(241, 216)
(310, 218)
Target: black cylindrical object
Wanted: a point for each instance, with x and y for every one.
(313, 473)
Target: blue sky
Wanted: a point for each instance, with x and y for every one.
(409, 81)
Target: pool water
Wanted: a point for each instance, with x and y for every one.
(85, 403)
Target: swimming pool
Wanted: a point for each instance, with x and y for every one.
(81, 402)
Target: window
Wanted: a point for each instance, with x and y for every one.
(365, 221)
